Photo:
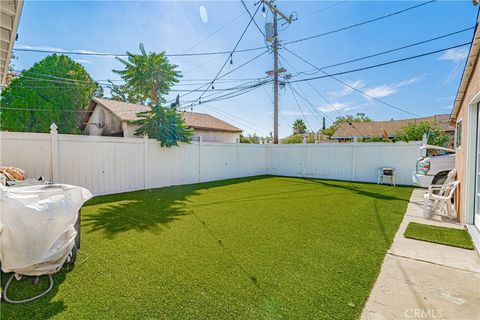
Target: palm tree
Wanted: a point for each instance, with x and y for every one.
(299, 127)
(148, 77)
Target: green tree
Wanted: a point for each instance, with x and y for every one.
(298, 138)
(165, 125)
(251, 138)
(414, 131)
(299, 127)
(148, 78)
(359, 117)
(55, 89)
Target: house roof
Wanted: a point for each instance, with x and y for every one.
(128, 112)
(10, 12)
(378, 128)
(467, 72)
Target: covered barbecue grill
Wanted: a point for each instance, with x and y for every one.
(39, 228)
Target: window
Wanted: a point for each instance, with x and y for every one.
(458, 134)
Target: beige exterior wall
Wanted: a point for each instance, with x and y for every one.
(461, 155)
(111, 124)
(207, 135)
(102, 122)
(216, 136)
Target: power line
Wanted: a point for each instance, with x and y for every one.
(217, 57)
(300, 108)
(100, 81)
(362, 23)
(231, 53)
(220, 111)
(225, 74)
(322, 9)
(60, 82)
(380, 64)
(215, 32)
(393, 50)
(271, 101)
(310, 104)
(352, 87)
(341, 116)
(108, 54)
(229, 95)
(324, 98)
(318, 92)
(69, 81)
(105, 54)
(43, 110)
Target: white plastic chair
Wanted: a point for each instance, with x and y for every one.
(439, 197)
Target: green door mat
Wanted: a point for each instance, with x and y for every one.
(447, 236)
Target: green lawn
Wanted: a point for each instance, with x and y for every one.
(441, 235)
(254, 248)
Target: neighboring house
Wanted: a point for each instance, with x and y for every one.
(347, 131)
(10, 16)
(465, 116)
(106, 117)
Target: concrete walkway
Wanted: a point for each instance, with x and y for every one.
(421, 280)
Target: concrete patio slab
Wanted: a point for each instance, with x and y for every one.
(422, 280)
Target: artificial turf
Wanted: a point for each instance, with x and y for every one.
(441, 235)
(252, 248)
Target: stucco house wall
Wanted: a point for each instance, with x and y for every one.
(103, 122)
(216, 136)
(207, 135)
(461, 152)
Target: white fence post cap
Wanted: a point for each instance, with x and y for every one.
(53, 128)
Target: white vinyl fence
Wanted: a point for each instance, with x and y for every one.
(107, 165)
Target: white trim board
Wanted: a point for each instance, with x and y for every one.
(475, 234)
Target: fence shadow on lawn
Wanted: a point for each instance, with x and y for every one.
(146, 210)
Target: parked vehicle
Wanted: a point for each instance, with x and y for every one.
(433, 169)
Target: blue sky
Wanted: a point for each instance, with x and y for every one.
(423, 86)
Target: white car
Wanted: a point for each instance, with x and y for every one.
(433, 169)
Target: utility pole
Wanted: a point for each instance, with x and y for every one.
(275, 78)
(275, 71)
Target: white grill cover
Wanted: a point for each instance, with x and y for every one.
(37, 226)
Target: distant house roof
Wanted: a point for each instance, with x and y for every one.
(128, 112)
(379, 128)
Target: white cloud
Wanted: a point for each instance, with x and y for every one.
(410, 81)
(456, 55)
(45, 48)
(83, 61)
(335, 106)
(55, 49)
(89, 51)
(389, 89)
(292, 113)
(358, 84)
(381, 91)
